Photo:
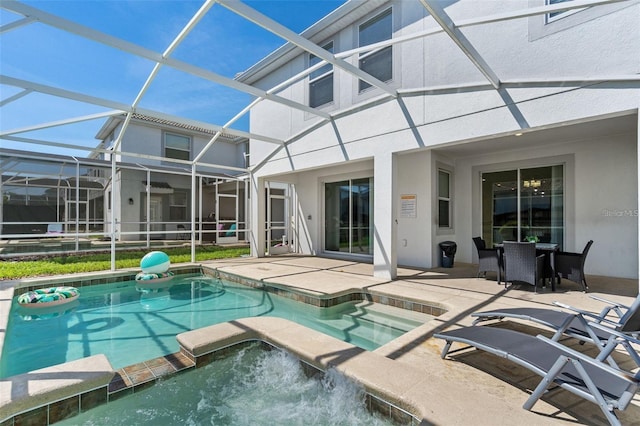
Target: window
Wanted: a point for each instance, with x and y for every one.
(523, 203)
(444, 199)
(378, 63)
(178, 205)
(560, 14)
(321, 81)
(177, 146)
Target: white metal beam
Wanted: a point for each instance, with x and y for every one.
(440, 16)
(533, 11)
(61, 123)
(62, 93)
(246, 109)
(41, 88)
(208, 126)
(284, 32)
(55, 144)
(15, 97)
(16, 24)
(574, 4)
(131, 48)
(172, 46)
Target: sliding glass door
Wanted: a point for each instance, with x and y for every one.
(523, 204)
(348, 216)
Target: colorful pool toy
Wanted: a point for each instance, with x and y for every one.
(155, 267)
(149, 277)
(45, 297)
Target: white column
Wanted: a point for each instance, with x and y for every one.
(258, 232)
(638, 198)
(385, 223)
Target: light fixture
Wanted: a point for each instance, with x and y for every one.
(533, 183)
(519, 134)
(130, 201)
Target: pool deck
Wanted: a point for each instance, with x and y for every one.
(474, 388)
(469, 388)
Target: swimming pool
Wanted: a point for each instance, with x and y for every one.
(130, 324)
(250, 387)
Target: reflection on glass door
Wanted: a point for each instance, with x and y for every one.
(227, 214)
(348, 216)
(156, 225)
(279, 236)
(82, 216)
(523, 204)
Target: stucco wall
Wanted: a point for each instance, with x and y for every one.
(412, 125)
(149, 140)
(600, 182)
(602, 41)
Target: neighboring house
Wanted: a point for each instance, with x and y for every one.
(156, 194)
(521, 127)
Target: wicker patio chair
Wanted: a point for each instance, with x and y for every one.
(490, 259)
(522, 264)
(571, 266)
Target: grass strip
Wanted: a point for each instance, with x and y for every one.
(78, 263)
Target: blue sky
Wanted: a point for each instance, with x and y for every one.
(222, 42)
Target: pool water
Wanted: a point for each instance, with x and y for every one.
(130, 324)
(252, 387)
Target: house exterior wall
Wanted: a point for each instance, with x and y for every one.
(435, 60)
(419, 127)
(600, 180)
(147, 140)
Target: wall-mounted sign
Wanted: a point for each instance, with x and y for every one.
(408, 205)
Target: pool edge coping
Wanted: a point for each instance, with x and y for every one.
(311, 298)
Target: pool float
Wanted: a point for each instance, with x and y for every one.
(155, 267)
(45, 297)
(47, 312)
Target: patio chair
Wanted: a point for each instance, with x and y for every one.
(489, 259)
(614, 320)
(522, 264)
(571, 266)
(611, 389)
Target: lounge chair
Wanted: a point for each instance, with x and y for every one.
(578, 323)
(571, 266)
(489, 259)
(573, 371)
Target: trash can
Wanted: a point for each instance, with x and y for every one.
(447, 253)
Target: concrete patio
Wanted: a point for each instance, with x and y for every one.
(473, 387)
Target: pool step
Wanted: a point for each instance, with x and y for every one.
(397, 318)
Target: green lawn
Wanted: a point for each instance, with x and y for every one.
(15, 269)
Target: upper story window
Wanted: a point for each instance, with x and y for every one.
(553, 16)
(378, 63)
(321, 80)
(177, 146)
